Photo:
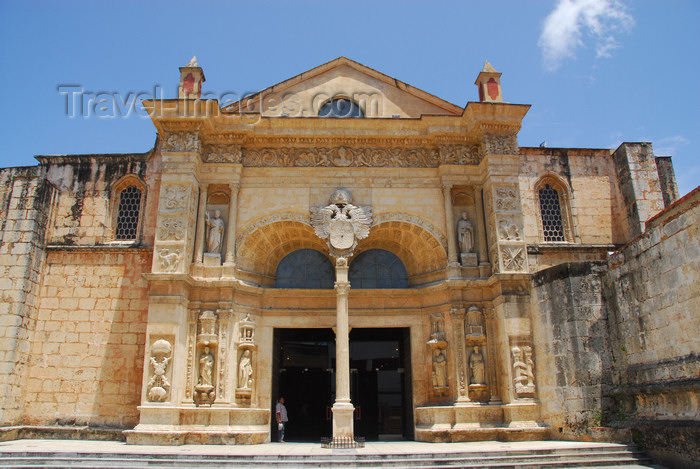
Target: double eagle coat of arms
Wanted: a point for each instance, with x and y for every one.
(341, 223)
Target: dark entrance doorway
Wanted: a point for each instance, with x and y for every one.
(304, 373)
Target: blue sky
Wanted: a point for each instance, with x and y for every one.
(596, 72)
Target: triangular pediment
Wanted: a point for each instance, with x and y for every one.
(377, 94)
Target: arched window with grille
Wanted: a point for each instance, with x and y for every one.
(553, 199)
(305, 268)
(377, 268)
(128, 200)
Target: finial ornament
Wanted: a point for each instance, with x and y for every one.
(341, 223)
(193, 62)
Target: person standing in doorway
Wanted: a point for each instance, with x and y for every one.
(281, 412)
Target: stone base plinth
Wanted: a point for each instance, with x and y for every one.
(211, 259)
(343, 421)
(478, 422)
(216, 425)
(469, 259)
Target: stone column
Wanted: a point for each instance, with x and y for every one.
(342, 408)
(480, 228)
(231, 234)
(199, 240)
(452, 254)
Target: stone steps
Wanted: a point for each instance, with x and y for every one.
(613, 455)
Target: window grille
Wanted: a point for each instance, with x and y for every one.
(550, 209)
(128, 216)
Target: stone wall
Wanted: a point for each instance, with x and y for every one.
(24, 196)
(86, 360)
(571, 337)
(653, 292)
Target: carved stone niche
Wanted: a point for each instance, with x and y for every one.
(474, 328)
(207, 340)
(465, 217)
(158, 383)
(437, 345)
(216, 222)
(245, 368)
(523, 368)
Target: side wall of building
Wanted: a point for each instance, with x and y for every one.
(571, 336)
(86, 360)
(653, 292)
(24, 198)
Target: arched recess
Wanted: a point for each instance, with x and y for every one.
(419, 250)
(377, 268)
(126, 213)
(262, 244)
(548, 190)
(305, 268)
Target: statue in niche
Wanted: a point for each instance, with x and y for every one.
(529, 366)
(206, 367)
(245, 371)
(439, 369)
(475, 322)
(216, 232)
(477, 366)
(524, 381)
(465, 234)
(437, 333)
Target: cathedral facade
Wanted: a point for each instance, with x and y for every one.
(388, 262)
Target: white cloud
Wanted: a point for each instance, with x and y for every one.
(668, 146)
(563, 28)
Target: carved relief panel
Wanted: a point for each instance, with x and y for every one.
(173, 229)
(159, 366)
(522, 368)
(506, 243)
(245, 365)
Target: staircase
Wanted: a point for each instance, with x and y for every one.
(582, 455)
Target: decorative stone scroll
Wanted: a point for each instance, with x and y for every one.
(506, 199)
(158, 384)
(496, 144)
(523, 371)
(181, 141)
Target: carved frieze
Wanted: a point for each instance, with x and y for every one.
(460, 154)
(496, 144)
(181, 141)
(341, 157)
(222, 153)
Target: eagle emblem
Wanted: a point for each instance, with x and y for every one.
(341, 223)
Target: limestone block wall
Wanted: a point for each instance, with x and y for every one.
(588, 176)
(86, 360)
(84, 209)
(653, 289)
(571, 339)
(24, 194)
